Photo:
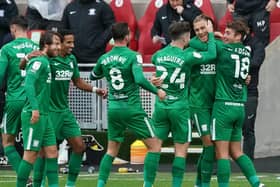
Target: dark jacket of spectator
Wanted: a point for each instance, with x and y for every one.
(257, 58)
(244, 7)
(91, 22)
(166, 15)
(8, 10)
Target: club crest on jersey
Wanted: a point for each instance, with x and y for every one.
(91, 12)
(36, 65)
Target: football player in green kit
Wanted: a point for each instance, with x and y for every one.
(202, 96)
(37, 130)
(228, 110)
(173, 66)
(10, 57)
(64, 68)
(122, 68)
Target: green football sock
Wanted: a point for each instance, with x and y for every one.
(13, 156)
(52, 172)
(207, 165)
(38, 171)
(198, 170)
(150, 168)
(248, 169)
(74, 168)
(24, 170)
(104, 170)
(178, 170)
(223, 172)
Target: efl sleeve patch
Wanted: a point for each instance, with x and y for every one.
(36, 65)
(139, 59)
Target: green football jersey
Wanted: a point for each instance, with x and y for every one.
(173, 66)
(232, 71)
(37, 85)
(122, 68)
(10, 56)
(63, 70)
(203, 79)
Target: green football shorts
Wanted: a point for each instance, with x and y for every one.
(11, 122)
(135, 120)
(202, 119)
(227, 121)
(176, 121)
(65, 125)
(40, 134)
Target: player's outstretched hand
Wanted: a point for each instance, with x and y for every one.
(156, 80)
(35, 116)
(161, 94)
(102, 92)
(24, 60)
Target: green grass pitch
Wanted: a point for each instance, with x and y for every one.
(8, 179)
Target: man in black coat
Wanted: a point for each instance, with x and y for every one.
(174, 10)
(91, 22)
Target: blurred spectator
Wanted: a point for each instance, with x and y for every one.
(45, 14)
(8, 10)
(91, 22)
(174, 10)
(257, 58)
(256, 13)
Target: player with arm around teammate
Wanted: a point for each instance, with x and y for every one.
(173, 67)
(228, 110)
(37, 130)
(64, 69)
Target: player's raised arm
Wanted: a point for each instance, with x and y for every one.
(142, 81)
(204, 56)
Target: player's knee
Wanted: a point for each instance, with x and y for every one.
(79, 148)
(51, 152)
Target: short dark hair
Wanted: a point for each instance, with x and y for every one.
(19, 21)
(65, 32)
(120, 30)
(239, 26)
(176, 29)
(47, 38)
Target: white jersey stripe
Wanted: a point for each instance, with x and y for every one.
(149, 127)
(29, 138)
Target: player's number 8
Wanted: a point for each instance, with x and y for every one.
(116, 79)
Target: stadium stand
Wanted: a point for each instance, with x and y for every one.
(275, 23)
(123, 11)
(145, 24)
(35, 35)
(206, 7)
(223, 21)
